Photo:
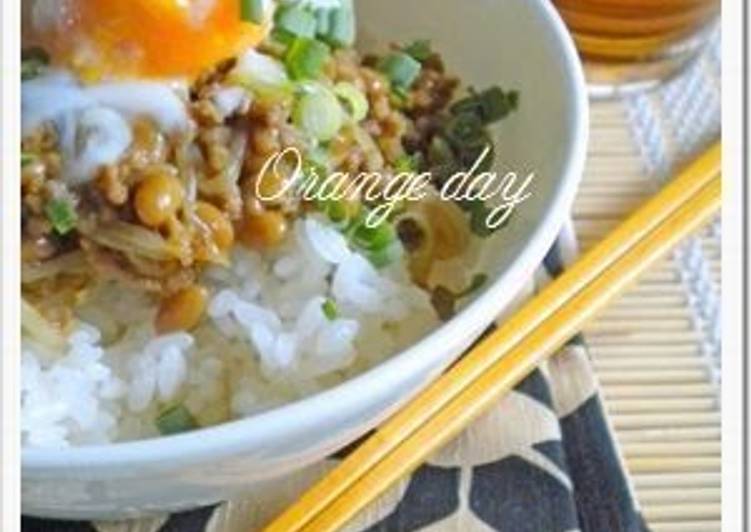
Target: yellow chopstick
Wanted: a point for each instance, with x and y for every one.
(514, 365)
(690, 180)
(314, 507)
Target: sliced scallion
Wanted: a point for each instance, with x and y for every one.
(381, 258)
(252, 11)
(489, 106)
(61, 215)
(401, 69)
(375, 238)
(478, 281)
(341, 212)
(319, 113)
(263, 75)
(306, 57)
(26, 158)
(406, 164)
(439, 151)
(296, 20)
(478, 217)
(323, 22)
(420, 50)
(313, 169)
(330, 309)
(463, 129)
(33, 60)
(444, 300)
(340, 31)
(337, 212)
(470, 151)
(175, 420)
(354, 100)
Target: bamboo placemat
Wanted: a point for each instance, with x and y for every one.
(659, 388)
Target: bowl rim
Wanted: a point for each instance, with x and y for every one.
(195, 446)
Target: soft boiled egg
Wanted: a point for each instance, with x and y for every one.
(138, 38)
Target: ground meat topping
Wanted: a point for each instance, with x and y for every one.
(217, 163)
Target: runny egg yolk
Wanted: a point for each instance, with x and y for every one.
(145, 38)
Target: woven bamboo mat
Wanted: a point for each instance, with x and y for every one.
(647, 349)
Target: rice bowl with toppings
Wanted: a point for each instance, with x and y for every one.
(163, 290)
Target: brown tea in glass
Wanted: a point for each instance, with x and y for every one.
(628, 45)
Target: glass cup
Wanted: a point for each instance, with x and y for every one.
(632, 45)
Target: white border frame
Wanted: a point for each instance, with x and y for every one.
(9, 327)
(732, 265)
(733, 366)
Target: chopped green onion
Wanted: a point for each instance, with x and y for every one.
(420, 50)
(252, 11)
(472, 150)
(313, 167)
(330, 309)
(296, 21)
(489, 106)
(323, 22)
(319, 113)
(61, 215)
(399, 97)
(477, 282)
(467, 136)
(26, 158)
(379, 244)
(374, 238)
(406, 164)
(469, 105)
(444, 302)
(478, 222)
(313, 173)
(463, 128)
(33, 60)
(306, 57)
(342, 213)
(340, 31)
(439, 151)
(498, 104)
(441, 173)
(469, 140)
(354, 100)
(382, 257)
(338, 212)
(478, 217)
(263, 75)
(319, 156)
(175, 420)
(401, 69)
(280, 40)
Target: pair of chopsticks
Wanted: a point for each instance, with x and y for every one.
(509, 354)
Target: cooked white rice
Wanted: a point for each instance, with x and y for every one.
(265, 341)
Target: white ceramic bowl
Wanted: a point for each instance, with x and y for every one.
(518, 44)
